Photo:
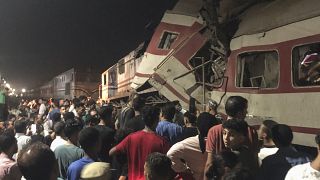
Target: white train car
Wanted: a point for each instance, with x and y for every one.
(266, 63)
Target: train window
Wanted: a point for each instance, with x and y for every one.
(121, 66)
(306, 65)
(167, 39)
(258, 69)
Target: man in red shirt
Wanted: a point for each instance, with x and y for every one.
(137, 146)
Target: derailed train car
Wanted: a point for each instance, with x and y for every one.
(266, 51)
(116, 81)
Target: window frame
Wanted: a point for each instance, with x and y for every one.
(120, 64)
(291, 56)
(257, 51)
(161, 37)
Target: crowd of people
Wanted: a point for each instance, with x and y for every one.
(85, 139)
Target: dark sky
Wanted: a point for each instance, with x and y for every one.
(42, 38)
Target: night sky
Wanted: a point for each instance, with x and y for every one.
(42, 38)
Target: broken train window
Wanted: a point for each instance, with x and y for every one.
(167, 40)
(258, 69)
(306, 65)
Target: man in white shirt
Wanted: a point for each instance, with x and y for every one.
(310, 171)
(42, 108)
(20, 127)
(264, 133)
(59, 131)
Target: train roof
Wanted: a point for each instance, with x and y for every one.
(272, 14)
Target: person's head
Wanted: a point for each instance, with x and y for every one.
(158, 167)
(68, 115)
(282, 135)
(59, 128)
(238, 173)
(236, 107)
(56, 117)
(235, 132)
(204, 122)
(63, 109)
(81, 111)
(96, 171)
(55, 103)
(89, 140)
(105, 113)
(76, 102)
(20, 126)
(72, 129)
(92, 118)
(9, 124)
(264, 131)
(150, 115)
(220, 164)
(212, 106)
(138, 103)
(36, 138)
(189, 118)
(168, 111)
(8, 144)
(37, 162)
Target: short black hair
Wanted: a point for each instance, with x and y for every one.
(88, 138)
(59, 128)
(237, 125)
(150, 115)
(239, 173)
(219, 162)
(76, 102)
(168, 111)
(268, 124)
(105, 112)
(191, 117)
(68, 115)
(282, 135)
(158, 166)
(235, 104)
(7, 141)
(36, 161)
(72, 126)
(317, 138)
(138, 103)
(36, 138)
(56, 117)
(55, 103)
(20, 126)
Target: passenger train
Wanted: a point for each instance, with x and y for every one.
(69, 84)
(266, 51)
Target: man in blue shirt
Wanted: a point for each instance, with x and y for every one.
(89, 139)
(166, 128)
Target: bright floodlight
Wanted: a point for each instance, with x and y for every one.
(23, 90)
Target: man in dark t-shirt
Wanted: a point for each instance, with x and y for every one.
(106, 133)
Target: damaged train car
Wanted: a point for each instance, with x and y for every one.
(212, 49)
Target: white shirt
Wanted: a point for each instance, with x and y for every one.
(42, 109)
(58, 141)
(22, 140)
(188, 150)
(264, 152)
(303, 171)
